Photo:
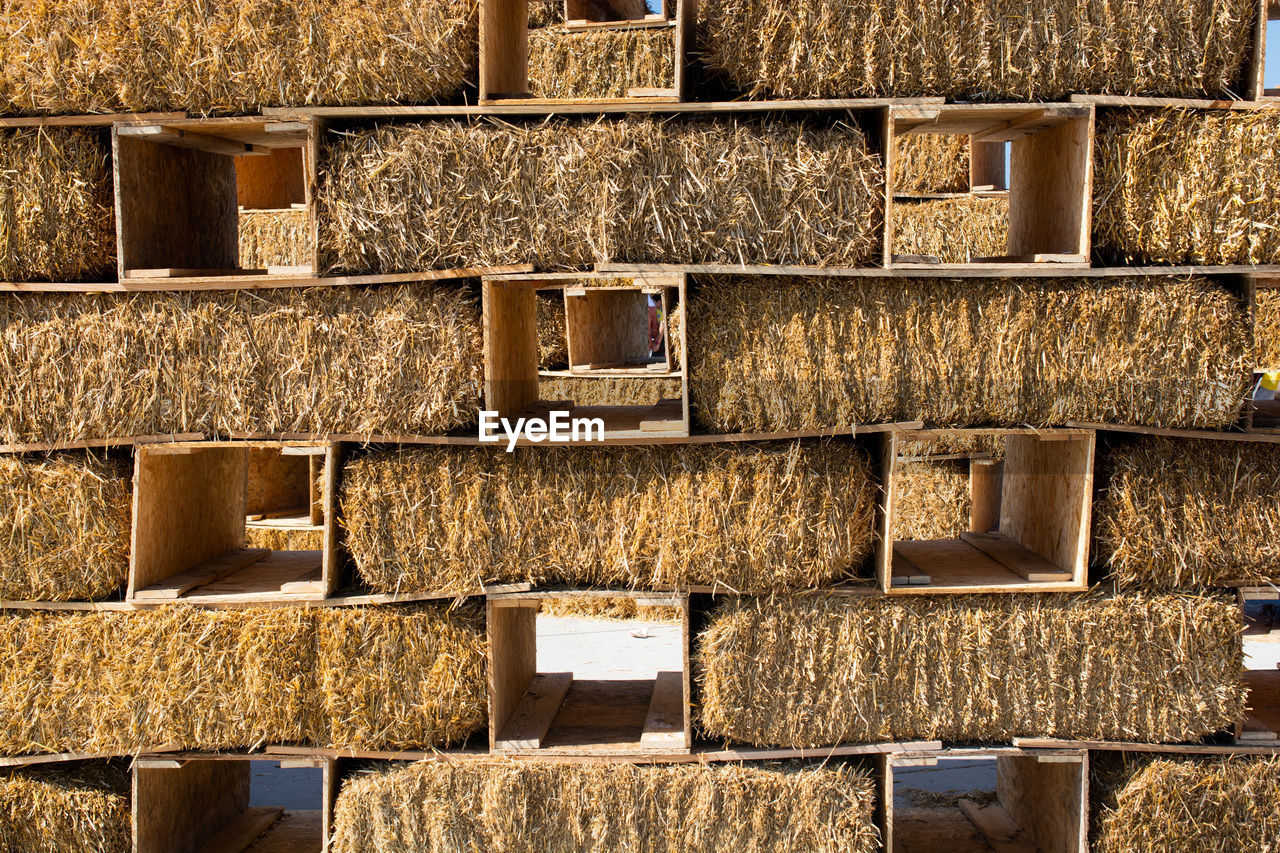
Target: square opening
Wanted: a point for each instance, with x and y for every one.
(974, 801)
(231, 523)
(609, 352)
(1269, 34)
(1260, 607)
(557, 52)
(1028, 193)
(986, 510)
(214, 198)
(230, 803)
(598, 673)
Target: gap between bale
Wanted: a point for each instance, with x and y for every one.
(387, 360)
(1266, 330)
(750, 518)
(1188, 514)
(792, 353)
(819, 672)
(601, 63)
(567, 193)
(67, 808)
(579, 808)
(989, 50)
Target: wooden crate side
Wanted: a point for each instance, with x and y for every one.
(886, 454)
(1046, 497)
(513, 658)
(987, 167)
(510, 320)
(504, 48)
(276, 181)
(986, 477)
(176, 810)
(1048, 799)
(607, 326)
(1050, 190)
(333, 565)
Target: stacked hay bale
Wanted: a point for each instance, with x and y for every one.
(274, 238)
(475, 805)
(611, 608)
(600, 63)
(566, 193)
(749, 518)
(953, 230)
(931, 499)
(66, 807)
(119, 682)
(66, 525)
(986, 50)
(1187, 187)
(609, 390)
(57, 219)
(931, 163)
(1170, 803)
(1188, 514)
(817, 672)
(232, 56)
(1266, 330)
(781, 354)
(389, 360)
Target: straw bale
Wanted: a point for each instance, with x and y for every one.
(980, 444)
(570, 192)
(232, 56)
(1266, 330)
(1188, 514)
(66, 808)
(57, 216)
(283, 538)
(785, 353)
(931, 163)
(1145, 803)
(750, 517)
(118, 682)
(675, 325)
(954, 230)
(612, 608)
(1185, 187)
(930, 499)
(545, 13)
(67, 523)
(981, 50)
(600, 63)
(609, 390)
(387, 360)
(593, 808)
(274, 238)
(553, 332)
(815, 672)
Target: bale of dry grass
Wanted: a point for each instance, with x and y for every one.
(1187, 187)
(609, 390)
(815, 672)
(931, 163)
(283, 538)
(66, 526)
(232, 56)
(974, 444)
(1173, 803)
(1266, 330)
(984, 50)
(782, 354)
(118, 682)
(931, 500)
(746, 517)
(545, 13)
(572, 192)
(1188, 514)
(553, 332)
(600, 63)
(386, 360)
(579, 808)
(57, 215)
(274, 238)
(610, 608)
(953, 230)
(66, 808)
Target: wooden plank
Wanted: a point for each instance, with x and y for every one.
(330, 783)
(602, 717)
(956, 566)
(207, 572)
(273, 182)
(986, 479)
(315, 490)
(170, 272)
(1198, 434)
(886, 454)
(510, 320)
(513, 661)
(987, 166)
(1047, 795)
(1051, 190)
(177, 811)
(103, 120)
(651, 22)
(333, 560)
(906, 572)
(1173, 103)
(608, 326)
(282, 576)
(942, 271)
(1016, 558)
(686, 36)
(1002, 834)
(1048, 487)
(192, 140)
(242, 832)
(504, 48)
(664, 723)
(528, 724)
(1262, 717)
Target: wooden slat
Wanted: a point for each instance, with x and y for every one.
(235, 837)
(208, 572)
(528, 725)
(664, 724)
(1016, 558)
(192, 140)
(1002, 834)
(513, 661)
(281, 576)
(906, 572)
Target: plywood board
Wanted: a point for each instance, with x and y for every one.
(510, 318)
(1048, 488)
(275, 182)
(178, 810)
(1051, 190)
(528, 724)
(504, 48)
(1048, 799)
(607, 326)
(513, 660)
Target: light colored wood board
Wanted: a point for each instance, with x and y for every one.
(174, 207)
(1264, 698)
(1017, 559)
(987, 166)
(1047, 493)
(1128, 746)
(1197, 434)
(907, 573)
(120, 441)
(97, 120)
(294, 832)
(686, 14)
(276, 481)
(208, 572)
(264, 132)
(884, 801)
(504, 48)
(885, 448)
(528, 724)
(686, 667)
(192, 139)
(277, 181)
(331, 782)
(524, 593)
(1050, 190)
(993, 822)
(513, 661)
(1254, 83)
(315, 490)
(279, 576)
(1047, 799)
(510, 315)
(1173, 103)
(956, 566)
(177, 811)
(985, 479)
(664, 723)
(186, 509)
(604, 717)
(607, 326)
(333, 558)
(651, 23)
(240, 835)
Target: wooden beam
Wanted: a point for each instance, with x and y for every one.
(528, 725)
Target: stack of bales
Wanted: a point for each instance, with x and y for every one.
(931, 499)
(782, 353)
(747, 518)
(565, 193)
(121, 682)
(80, 806)
(491, 805)
(390, 360)
(232, 56)
(984, 50)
